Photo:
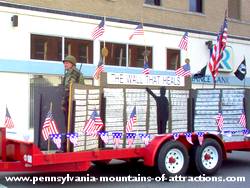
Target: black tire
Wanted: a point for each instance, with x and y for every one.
(208, 157)
(176, 152)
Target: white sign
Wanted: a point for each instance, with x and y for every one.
(141, 79)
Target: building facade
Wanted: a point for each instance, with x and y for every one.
(37, 35)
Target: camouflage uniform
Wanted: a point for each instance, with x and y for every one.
(72, 75)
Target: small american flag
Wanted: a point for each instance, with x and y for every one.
(98, 31)
(138, 31)
(93, 125)
(8, 123)
(146, 68)
(218, 49)
(243, 120)
(99, 69)
(49, 126)
(183, 70)
(131, 121)
(220, 121)
(184, 42)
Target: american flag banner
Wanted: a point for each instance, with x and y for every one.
(57, 140)
(183, 70)
(145, 138)
(99, 69)
(93, 125)
(189, 138)
(99, 30)
(117, 139)
(176, 136)
(73, 138)
(184, 42)
(130, 139)
(138, 31)
(49, 126)
(200, 137)
(218, 49)
(243, 120)
(220, 121)
(146, 67)
(8, 123)
(131, 121)
(104, 136)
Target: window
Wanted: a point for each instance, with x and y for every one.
(195, 6)
(81, 49)
(153, 2)
(234, 9)
(173, 59)
(136, 56)
(46, 47)
(50, 48)
(116, 54)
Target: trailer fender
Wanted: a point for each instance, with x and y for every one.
(153, 148)
(151, 151)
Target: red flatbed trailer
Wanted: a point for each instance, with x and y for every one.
(24, 156)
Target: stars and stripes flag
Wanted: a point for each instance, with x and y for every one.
(183, 70)
(184, 42)
(218, 48)
(93, 125)
(220, 121)
(146, 67)
(131, 121)
(138, 31)
(8, 123)
(49, 126)
(98, 31)
(243, 120)
(99, 69)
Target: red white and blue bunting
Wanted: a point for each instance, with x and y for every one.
(130, 137)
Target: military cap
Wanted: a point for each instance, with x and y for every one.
(71, 59)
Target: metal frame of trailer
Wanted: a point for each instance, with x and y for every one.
(22, 156)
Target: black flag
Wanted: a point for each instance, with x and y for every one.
(241, 71)
(201, 73)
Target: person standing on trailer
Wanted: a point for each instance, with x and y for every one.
(71, 75)
(162, 109)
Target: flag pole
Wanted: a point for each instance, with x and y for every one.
(144, 39)
(69, 114)
(50, 109)
(104, 42)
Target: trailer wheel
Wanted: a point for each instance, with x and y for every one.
(208, 157)
(173, 159)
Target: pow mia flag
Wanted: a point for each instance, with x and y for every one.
(241, 72)
(201, 73)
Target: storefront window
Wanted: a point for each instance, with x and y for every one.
(116, 54)
(81, 49)
(136, 56)
(46, 47)
(173, 59)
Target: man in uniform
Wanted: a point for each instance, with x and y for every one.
(71, 75)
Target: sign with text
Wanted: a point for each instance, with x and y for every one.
(141, 79)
